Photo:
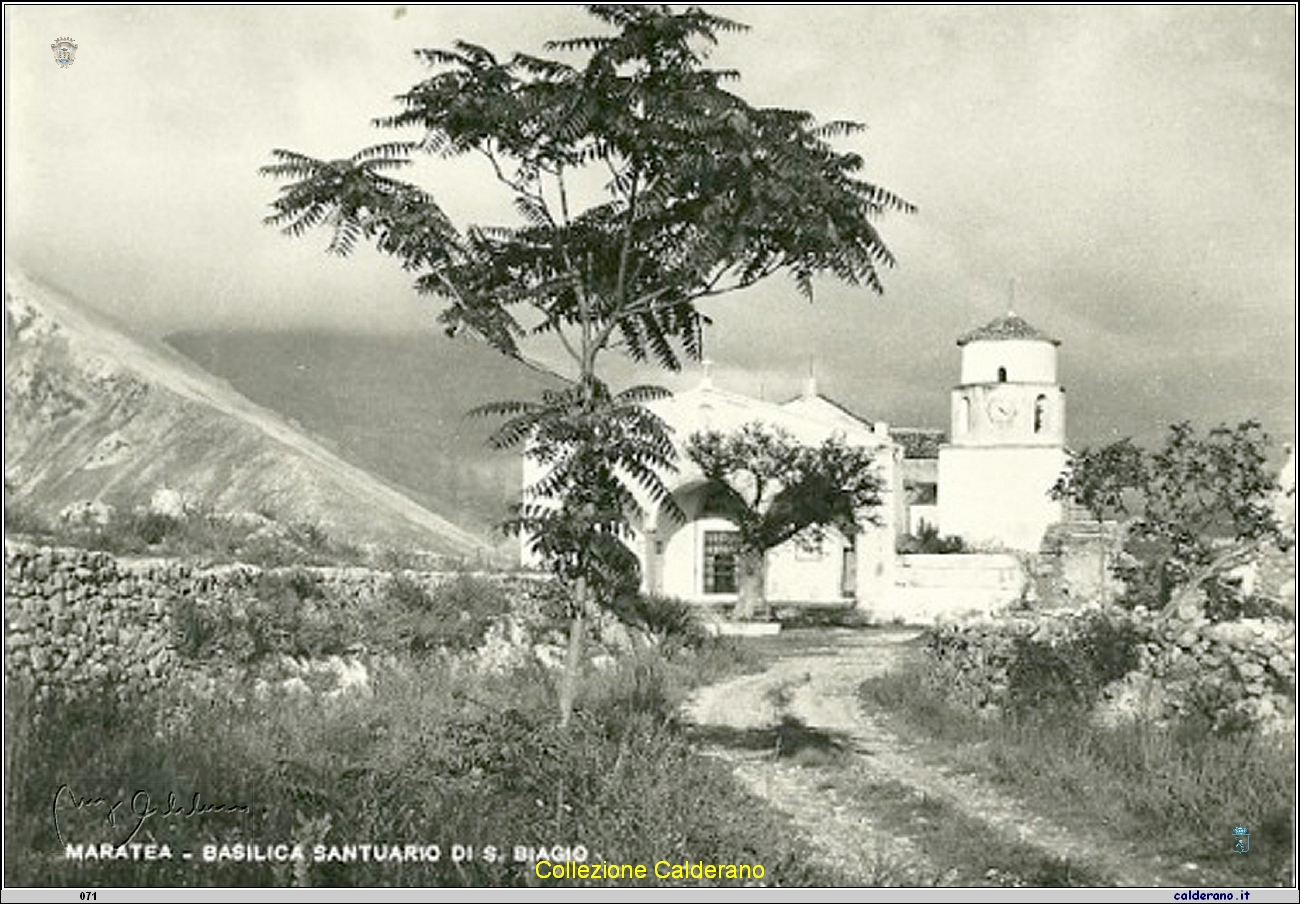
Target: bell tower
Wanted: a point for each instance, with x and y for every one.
(1008, 438)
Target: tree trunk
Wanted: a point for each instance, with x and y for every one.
(751, 580)
(1102, 550)
(573, 660)
(1187, 597)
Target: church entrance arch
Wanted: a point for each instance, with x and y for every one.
(695, 559)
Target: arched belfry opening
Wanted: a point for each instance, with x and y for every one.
(1040, 414)
(1002, 375)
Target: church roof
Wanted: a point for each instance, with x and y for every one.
(815, 403)
(1006, 327)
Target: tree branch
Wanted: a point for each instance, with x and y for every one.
(620, 286)
(517, 186)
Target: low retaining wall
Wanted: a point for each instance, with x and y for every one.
(930, 587)
(79, 621)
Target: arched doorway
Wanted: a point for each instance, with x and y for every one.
(695, 558)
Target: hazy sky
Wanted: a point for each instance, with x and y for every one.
(1133, 169)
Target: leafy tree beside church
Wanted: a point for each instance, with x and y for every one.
(773, 489)
(1194, 509)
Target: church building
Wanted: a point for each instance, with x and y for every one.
(988, 484)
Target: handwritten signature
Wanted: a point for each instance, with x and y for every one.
(135, 812)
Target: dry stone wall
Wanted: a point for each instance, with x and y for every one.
(76, 620)
(80, 622)
(1122, 665)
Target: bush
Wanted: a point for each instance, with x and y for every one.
(1070, 672)
(20, 518)
(1175, 788)
(1028, 662)
(1226, 676)
(454, 616)
(666, 619)
(195, 533)
(929, 542)
(153, 527)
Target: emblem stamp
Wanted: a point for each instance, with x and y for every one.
(65, 52)
(1241, 836)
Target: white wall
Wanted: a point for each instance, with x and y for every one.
(797, 575)
(929, 587)
(1026, 361)
(998, 496)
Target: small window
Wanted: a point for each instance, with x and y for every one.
(1040, 414)
(963, 415)
(1002, 375)
(720, 548)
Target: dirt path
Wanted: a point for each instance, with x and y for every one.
(809, 697)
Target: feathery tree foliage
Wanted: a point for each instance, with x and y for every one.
(700, 194)
(774, 489)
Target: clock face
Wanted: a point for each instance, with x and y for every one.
(1002, 410)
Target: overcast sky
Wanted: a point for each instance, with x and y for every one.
(1132, 169)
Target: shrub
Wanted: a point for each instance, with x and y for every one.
(666, 619)
(1070, 672)
(1027, 662)
(455, 616)
(21, 518)
(930, 542)
(153, 527)
(199, 533)
(1226, 676)
(291, 613)
(1174, 788)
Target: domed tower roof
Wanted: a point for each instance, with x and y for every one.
(1006, 327)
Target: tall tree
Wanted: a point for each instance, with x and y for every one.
(1196, 508)
(1103, 481)
(700, 194)
(774, 489)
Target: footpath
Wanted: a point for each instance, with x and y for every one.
(799, 736)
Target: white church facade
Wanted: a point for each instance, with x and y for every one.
(696, 559)
(988, 484)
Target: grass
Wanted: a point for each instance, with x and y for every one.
(1176, 792)
(434, 756)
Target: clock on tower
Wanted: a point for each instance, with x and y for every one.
(1002, 408)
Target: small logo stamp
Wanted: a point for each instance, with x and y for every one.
(65, 52)
(1241, 834)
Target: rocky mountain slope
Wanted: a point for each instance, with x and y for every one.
(95, 414)
(395, 405)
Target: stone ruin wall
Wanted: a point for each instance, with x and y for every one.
(78, 620)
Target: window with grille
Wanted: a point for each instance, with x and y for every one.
(720, 548)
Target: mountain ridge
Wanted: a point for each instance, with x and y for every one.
(395, 405)
(93, 413)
